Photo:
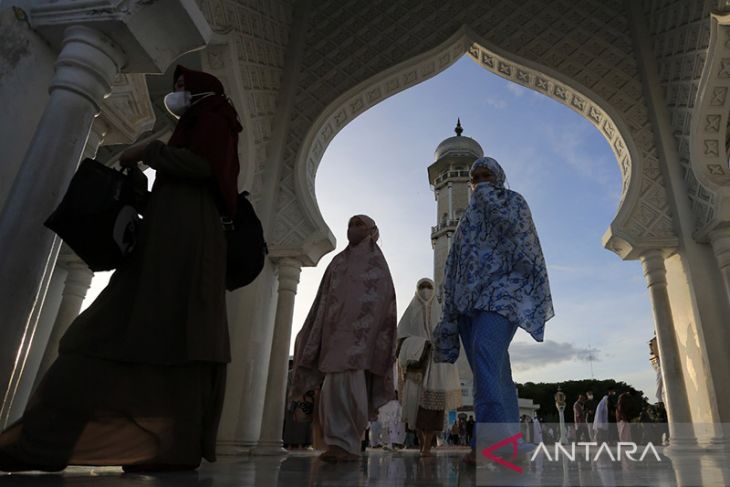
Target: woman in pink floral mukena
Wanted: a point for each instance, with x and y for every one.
(347, 343)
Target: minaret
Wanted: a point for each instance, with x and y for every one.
(449, 178)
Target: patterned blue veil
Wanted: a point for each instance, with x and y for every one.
(495, 263)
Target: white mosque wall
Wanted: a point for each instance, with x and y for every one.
(26, 68)
(694, 370)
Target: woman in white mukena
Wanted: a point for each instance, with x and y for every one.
(427, 389)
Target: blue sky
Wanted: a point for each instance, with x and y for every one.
(562, 165)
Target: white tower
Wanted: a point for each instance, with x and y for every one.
(449, 178)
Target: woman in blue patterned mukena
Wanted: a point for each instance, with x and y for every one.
(494, 281)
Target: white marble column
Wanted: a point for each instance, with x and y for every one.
(251, 316)
(78, 281)
(45, 310)
(86, 66)
(270, 442)
(677, 405)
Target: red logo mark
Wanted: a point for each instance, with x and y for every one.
(487, 452)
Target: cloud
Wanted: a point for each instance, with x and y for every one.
(496, 102)
(573, 269)
(572, 147)
(516, 89)
(525, 355)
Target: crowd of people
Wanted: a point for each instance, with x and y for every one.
(495, 281)
(617, 417)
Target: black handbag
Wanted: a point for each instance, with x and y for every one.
(99, 214)
(246, 245)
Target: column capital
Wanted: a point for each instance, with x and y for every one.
(655, 272)
(144, 30)
(628, 246)
(68, 259)
(79, 275)
(87, 64)
(289, 272)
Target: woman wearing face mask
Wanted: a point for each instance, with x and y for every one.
(427, 389)
(140, 376)
(347, 343)
(495, 281)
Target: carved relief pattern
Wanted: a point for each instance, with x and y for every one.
(681, 35)
(128, 110)
(260, 29)
(350, 41)
(653, 196)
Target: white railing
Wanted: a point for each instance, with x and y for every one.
(448, 224)
(451, 174)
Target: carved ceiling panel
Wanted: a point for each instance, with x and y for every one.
(587, 42)
(680, 30)
(260, 30)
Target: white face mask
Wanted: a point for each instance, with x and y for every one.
(178, 102)
(425, 293)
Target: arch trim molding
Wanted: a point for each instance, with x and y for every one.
(638, 224)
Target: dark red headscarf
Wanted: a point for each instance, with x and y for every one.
(210, 129)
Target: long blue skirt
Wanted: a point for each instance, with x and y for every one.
(486, 337)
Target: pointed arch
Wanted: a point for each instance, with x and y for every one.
(635, 226)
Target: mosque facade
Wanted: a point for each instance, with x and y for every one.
(652, 76)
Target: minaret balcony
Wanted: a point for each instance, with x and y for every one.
(443, 227)
(451, 175)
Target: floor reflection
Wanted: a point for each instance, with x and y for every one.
(398, 469)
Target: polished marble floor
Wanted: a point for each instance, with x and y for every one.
(391, 469)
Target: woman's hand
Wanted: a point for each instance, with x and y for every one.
(132, 156)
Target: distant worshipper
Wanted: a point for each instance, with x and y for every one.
(600, 421)
(389, 425)
(298, 417)
(628, 407)
(495, 281)
(427, 389)
(579, 418)
(140, 376)
(536, 430)
(347, 343)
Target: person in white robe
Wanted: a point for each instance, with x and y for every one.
(427, 389)
(536, 431)
(389, 420)
(600, 422)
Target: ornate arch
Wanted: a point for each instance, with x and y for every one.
(709, 128)
(643, 219)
